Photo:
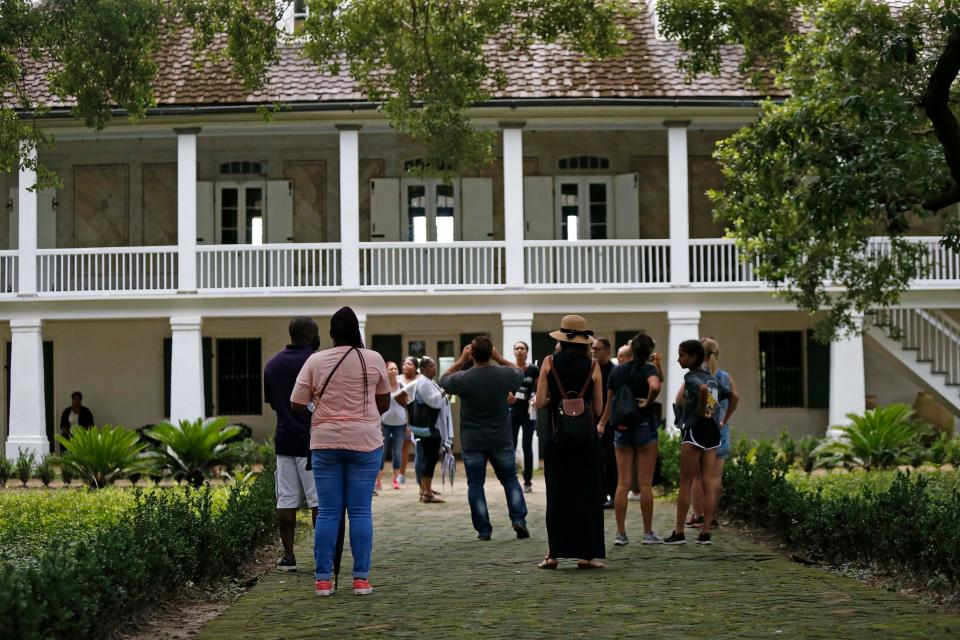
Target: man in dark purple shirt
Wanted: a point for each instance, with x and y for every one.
(294, 479)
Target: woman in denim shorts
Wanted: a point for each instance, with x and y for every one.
(636, 443)
(729, 399)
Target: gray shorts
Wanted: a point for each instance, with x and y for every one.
(294, 483)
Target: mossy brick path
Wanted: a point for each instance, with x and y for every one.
(434, 579)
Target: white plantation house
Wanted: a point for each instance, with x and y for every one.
(159, 278)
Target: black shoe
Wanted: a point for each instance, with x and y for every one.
(676, 538)
(528, 487)
(522, 531)
(483, 536)
(287, 564)
(704, 538)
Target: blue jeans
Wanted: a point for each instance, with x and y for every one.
(344, 479)
(393, 442)
(505, 466)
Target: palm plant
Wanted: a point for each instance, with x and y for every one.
(878, 439)
(6, 470)
(24, 465)
(44, 470)
(193, 449)
(102, 455)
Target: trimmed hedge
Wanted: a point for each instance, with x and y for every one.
(90, 589)
(909, 524)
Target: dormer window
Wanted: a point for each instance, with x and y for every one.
(581, 163)
(300, 13)
(417, 165)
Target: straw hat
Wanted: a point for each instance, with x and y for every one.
(573, 329)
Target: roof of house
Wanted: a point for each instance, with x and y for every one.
(646, 69)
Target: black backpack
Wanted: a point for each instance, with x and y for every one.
(624, 408)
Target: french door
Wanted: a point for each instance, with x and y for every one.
(240, 208)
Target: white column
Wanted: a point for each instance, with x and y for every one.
(186, 369)
(518, 327)
(683, 325)
(350, 205)
(847, 384)
(27, 428)
(513, 201)
(27, 224)
(187, 208)
(362, 321)
(679, 203)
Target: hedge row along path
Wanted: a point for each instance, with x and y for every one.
(433, 578)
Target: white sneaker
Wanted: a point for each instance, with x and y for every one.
(651, 538)
(633, 497)
(621, 540)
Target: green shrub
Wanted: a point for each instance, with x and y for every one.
(6, 470)
(908, 522)
(669, 461)
(192, 449)
(952, 454)
(878, 439)
(267, 452)
(787, 446)
(168, 538)
(805, 452)
(102, 455)
(937, 453)
(24, 464)
(44, 470)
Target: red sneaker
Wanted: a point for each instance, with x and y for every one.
(361, 587)
(396, 485)
(323, 588)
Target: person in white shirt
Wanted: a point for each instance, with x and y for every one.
(394, 426)
(425, 422)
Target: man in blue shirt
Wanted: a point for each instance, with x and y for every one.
(294, 478)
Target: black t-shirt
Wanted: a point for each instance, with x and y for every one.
(634, 375)
(529, 385)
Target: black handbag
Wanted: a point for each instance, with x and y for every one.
(422, 418)
(624, 408)
(574, 422)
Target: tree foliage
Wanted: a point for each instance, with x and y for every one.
(426, 62)
(866, 144)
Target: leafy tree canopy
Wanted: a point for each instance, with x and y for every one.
(866, 144)
(426, 62)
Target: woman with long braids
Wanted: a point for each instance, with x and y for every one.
(349, 387)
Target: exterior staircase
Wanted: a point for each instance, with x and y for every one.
(927, 342)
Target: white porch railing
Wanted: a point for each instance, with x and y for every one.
(934, 335)
(397, 265)
(268, 266)
(8, 271)
(592, 263)
(107, 269)
(937, 264)
(717, 261)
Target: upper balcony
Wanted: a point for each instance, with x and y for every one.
(461, 266)
(617, 210)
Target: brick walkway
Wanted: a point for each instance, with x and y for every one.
(434, 579)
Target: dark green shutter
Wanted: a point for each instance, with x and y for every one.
(818, 373)
(389, 346)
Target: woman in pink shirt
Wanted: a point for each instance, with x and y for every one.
(350, 389)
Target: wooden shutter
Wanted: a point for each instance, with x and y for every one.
(385, 210)
(538, 214)
(206, 232)
(279, 211)
(476, 195)
(627, 206)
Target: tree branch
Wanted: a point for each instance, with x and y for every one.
(936, 104)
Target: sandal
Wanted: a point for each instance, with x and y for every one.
(590, 564)
(430, 499)
(548, 563)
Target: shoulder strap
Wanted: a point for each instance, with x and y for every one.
(556, 378)
(586, 384)
(563, 392)
(332, 371)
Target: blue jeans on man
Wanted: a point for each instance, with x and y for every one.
(505, 466)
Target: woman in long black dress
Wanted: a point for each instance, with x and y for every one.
(572, 472)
